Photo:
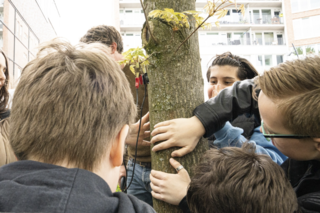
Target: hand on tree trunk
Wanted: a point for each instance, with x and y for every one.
(181, 132)
(144, 132)
(170, 188)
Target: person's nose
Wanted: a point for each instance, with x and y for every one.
(220, 87)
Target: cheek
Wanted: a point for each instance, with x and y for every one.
(210, 88)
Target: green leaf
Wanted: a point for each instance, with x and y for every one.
(132, 69)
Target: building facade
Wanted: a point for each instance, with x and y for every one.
(259, 36)
(303, 26)
(24, 25)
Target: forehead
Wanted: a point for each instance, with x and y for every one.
(223, 71)
(270, 113)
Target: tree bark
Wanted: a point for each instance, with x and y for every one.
(176, 83)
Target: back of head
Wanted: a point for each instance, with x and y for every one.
(296, 87)
(236, 180)
(70, 104)
(245, 69)
(104, 34)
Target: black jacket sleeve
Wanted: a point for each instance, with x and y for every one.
(227, 105)
(184, 205)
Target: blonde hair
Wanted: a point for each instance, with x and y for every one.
(296, 87)
(69, 105)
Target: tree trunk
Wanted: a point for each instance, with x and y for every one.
(176, 83)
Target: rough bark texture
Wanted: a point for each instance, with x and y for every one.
(176, 84)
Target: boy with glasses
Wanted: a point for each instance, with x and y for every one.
(289, 105)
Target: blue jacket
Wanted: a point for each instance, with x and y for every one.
(231, 136)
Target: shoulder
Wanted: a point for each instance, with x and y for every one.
(132, 201)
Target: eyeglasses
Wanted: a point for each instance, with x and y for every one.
(267, 135)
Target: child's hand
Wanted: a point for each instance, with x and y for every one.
(182, 132)
(171, 188)
(144, 132)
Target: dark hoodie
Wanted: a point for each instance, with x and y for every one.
(31, 186)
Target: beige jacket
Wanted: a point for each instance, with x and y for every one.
(6, 153)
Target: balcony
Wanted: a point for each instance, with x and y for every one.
(241, 41)
(202, 3)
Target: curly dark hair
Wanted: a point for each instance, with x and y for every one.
(4, 93)
(104, 34)
(237, 180)
(246, 69)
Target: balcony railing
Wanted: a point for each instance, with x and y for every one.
(267, 19)
(269, 41)
(241, 20)
(240, 41)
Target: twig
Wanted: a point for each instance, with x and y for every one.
(200, 25)
(145, 15)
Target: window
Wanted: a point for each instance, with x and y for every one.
(279, 59)
(238, 38)
(314, 3)
(268, 39)
(256, 17)
(258, 40)
(259, 61)
(268, 60)
(212, 38)
(310, 50)
(304, 5)
(305, 27)
(295, 6)
(266, 16)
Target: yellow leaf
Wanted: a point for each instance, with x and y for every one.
(191, 12)
(243, 10)
(221, 13)
(132, 69)
(217, 23)
(154, 13)
(169, 10)
(210, 8)
(206, 26)
(137, 65)
(144, 69)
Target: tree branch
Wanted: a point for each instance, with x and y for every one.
(145, 15)
(200, 25)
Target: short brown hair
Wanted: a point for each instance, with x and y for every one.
(4, 93)
(70, 104)
(245, 69)
(296, 87)
(104, 34)
(236, 180)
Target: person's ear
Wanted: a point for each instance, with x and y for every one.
(113, 47)
(317, 140)
(117, 149)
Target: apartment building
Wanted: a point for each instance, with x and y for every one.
(259, 36)
(303, 26)
(24, 24)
